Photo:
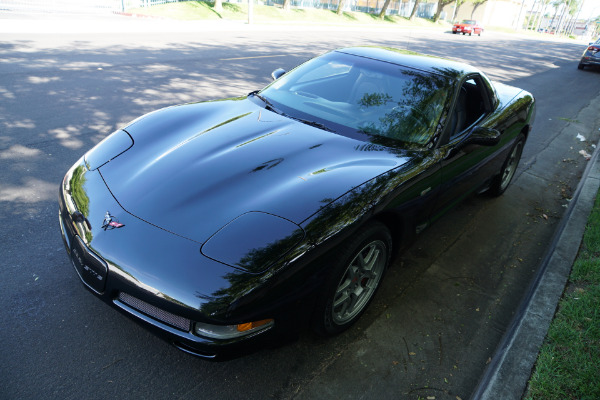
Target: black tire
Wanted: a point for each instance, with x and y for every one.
(580, 66)
(502, 180)
(470, 33)
(357, 271)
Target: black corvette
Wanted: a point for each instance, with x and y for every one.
(224, 224)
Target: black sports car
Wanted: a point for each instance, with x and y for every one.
(224, 224)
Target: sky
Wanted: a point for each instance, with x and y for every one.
(591, 8)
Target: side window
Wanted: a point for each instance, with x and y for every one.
(471, 105)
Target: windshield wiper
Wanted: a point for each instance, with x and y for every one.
(313, 123)
(265, 100)
(271, 107)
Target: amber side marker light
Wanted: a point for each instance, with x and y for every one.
(251, 325)
(231, 331)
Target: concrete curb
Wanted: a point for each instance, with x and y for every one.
(508, 373)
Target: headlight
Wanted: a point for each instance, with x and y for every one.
(231, 331)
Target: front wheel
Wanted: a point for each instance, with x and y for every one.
(356, 274)
(502, 180)
(580, 66)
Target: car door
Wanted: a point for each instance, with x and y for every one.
(465, 166)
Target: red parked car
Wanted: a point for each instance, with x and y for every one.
(469, 26)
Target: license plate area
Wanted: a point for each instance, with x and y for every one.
(91, 269)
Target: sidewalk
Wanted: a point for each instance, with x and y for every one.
(508, 373)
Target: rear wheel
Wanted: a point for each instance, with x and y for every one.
(356, 275)
(502, 180)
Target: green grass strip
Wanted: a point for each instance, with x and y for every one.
(568, 365)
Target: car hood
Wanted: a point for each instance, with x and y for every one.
(194, 168)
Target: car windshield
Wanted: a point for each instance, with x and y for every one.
(469, 22)
(367, 96)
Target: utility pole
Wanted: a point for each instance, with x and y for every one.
(454, 12)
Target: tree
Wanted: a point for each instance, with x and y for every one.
(384, 8)
(534, 13)
(476, 3)
(218, 6)
(458, 4)
(557, 5)
(414, 10)
(441, 5)
(572, 6)
(341, 6)
(541, 15)
(287, 5)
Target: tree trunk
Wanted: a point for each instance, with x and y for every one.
(414, 10)
(384, 8)
(436, 18)
(531, 14)
(287, 5)
(218, 6)
(341, 5)
(563, 17)
(553, 18)
(476, 4)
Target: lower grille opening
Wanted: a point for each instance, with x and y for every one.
(157, 313)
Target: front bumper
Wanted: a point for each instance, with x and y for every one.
(159, 279)
(462, 30)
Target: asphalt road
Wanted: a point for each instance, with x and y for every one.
(443, 307)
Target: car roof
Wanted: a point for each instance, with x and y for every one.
(411, 59)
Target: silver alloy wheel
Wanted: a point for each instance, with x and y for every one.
(511, 165)
(359, 282)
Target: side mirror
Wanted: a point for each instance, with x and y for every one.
(277, 73)
(483, 136)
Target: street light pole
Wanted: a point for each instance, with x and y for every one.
(454, 12)
(517, 27)
(250, 5)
